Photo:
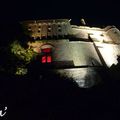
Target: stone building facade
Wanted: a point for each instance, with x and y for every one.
(76, 52)
(40, 29)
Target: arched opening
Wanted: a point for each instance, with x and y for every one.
(46, 51)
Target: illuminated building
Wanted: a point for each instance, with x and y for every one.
(73, 51)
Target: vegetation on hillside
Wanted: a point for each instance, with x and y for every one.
(15, 58)
(23, 56)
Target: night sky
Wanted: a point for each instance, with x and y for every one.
(95, 12)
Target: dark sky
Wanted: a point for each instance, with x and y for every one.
(95, 12)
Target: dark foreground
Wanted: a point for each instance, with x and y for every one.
(49, 97)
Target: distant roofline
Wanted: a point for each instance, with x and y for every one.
(94, 28)
(42, 21)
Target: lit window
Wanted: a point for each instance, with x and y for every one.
(49, 59)
(43, 59)
(46, 59)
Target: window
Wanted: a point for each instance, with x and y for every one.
(49, 27)
(49, 60)
(43, 59)
(29, 28)
(59, 30)
(49, 30)
(46, 59)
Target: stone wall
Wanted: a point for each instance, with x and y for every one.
(47, 28)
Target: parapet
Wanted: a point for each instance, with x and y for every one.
(47, 28)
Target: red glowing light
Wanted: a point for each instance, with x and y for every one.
(46, 50)
(44, 59)
(49, 59)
